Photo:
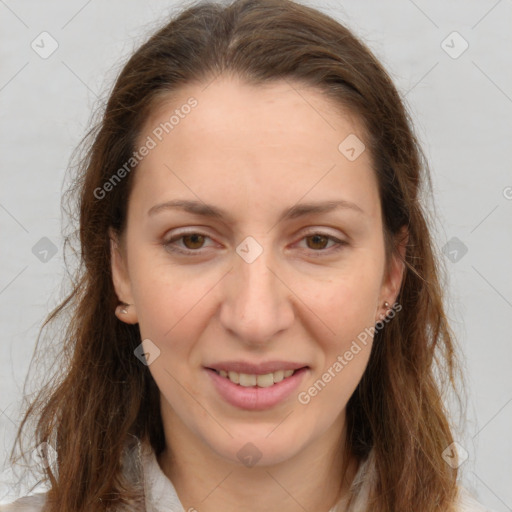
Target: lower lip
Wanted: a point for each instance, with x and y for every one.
(255, 398)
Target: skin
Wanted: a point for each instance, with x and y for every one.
(254, 151)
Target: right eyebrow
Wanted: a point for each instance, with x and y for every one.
(195, 207)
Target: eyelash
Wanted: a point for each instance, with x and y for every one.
(168, 244)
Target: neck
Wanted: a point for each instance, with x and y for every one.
(311, 480)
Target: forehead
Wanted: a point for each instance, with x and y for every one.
(274, 142)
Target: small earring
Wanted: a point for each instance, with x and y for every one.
(386, 304)
(122, 308)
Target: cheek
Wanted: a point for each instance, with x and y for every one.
(328, 393)
(347, 348)
(166, 308)
(173, 306)
(346, 303)
(347, 309)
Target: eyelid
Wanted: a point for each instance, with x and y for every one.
(322, 232)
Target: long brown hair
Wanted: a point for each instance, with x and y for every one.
(104, 395)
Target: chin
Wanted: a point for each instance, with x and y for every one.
(260, 449)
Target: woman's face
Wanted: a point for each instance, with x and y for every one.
(275, 258)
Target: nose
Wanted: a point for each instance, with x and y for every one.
(256, 304)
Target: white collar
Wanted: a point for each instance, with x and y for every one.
(160, 494)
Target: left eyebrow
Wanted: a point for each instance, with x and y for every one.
(294, 212)
(300, 210)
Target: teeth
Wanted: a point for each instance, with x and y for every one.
(262, 381)
(246, 380)
(279, 376)
(265, 381)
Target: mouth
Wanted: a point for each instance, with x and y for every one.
(265, 380)
(257, 391)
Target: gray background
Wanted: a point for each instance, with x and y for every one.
(462, 108)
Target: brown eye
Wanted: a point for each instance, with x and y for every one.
(318, 242)
(190, 244)
(193, 241)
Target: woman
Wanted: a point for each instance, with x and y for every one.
(258, 321)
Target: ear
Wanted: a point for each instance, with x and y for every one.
(126, 311)
(394, 275)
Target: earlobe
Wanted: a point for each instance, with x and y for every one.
(125, 311)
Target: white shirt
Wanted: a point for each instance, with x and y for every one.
(160, 494)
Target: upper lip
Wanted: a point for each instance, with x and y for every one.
(255, 369)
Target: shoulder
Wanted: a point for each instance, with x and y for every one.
(365, 479)
(27, 504)
(467, 503)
